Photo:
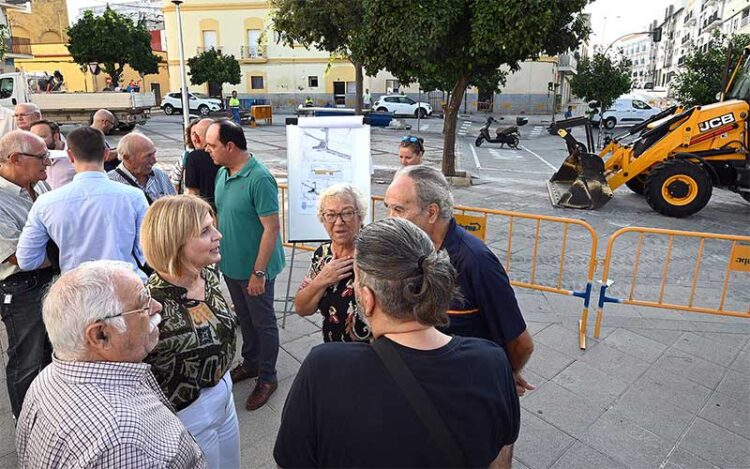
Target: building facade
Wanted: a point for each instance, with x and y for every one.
(18, 44)
(285, 76)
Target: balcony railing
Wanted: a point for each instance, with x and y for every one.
(257, 51)
(744, 21)
(19, 45)
(200, 50)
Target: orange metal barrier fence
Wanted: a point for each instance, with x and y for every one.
(735, 265)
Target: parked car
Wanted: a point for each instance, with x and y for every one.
(402, 105)
(199, 102)
(626, 111)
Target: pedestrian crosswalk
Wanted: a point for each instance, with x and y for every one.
(536, 131)
(464, 127)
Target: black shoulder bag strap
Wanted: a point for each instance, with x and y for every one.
(420, 402)
(134, 184)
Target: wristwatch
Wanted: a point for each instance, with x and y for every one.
(260, 273)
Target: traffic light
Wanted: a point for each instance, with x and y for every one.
(657, 34)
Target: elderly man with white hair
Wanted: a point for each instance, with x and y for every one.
(97, 404)
(137, 154)
(27, 114)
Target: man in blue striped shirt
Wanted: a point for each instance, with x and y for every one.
(91, 218)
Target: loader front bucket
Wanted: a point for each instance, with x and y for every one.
(580, 182)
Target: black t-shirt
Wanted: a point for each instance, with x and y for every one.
(345, 409)
(489, 309)
(200, 173)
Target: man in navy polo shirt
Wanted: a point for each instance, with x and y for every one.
(489, 308)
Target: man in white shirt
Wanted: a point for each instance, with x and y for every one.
(61, 171)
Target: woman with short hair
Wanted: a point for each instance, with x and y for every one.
(411, 150)
(415, 397)
(328, 287)
(197, 337)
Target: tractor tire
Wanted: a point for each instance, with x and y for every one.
(479, 141)
(678, 188)
(638, 184)
(513, 142)
(610, 123)
(168, 109)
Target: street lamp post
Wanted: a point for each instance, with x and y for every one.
(183, 74)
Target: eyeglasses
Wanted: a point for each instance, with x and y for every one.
(143, 309)
(24, 114)
(40, 157)
(346, 216)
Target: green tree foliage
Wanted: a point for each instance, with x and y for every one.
(453, 44)
(213, 67)
(601, 79)
(112, 40)
(703, 73)
(335, 26)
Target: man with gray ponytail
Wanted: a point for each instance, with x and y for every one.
(415, 397)
(97, 404)
(488, 308)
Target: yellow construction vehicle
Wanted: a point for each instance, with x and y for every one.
(674, 159)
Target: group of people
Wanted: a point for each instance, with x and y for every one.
(127, 361)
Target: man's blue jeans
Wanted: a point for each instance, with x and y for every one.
(260, 334)
(29, 350)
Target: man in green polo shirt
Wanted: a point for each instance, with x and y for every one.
(247, 202)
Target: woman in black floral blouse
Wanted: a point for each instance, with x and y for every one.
(329, 285)
(197, 333)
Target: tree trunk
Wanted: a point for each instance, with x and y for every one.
(358, 79)
(449, 125)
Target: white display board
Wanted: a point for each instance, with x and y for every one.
(321, 152)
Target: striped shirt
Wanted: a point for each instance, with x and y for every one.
(101, 414)
(157, 185)
(15, 204)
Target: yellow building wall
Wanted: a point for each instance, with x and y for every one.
(46, 24)
(51, 57)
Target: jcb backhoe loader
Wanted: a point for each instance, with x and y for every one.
(674, 159)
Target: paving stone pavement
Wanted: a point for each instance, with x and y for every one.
(658, 388)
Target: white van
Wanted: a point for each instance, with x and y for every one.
(626, 111)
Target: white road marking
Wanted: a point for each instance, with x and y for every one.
(476, 158)
(539, 158)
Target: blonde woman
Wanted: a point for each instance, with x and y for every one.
(197, 341)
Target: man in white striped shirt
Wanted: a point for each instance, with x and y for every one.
(138, 155)
(97, 405)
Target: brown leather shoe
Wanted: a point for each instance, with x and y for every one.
(260, 395)
(241, 372)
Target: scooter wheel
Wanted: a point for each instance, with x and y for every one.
(479, 141)
(514, 142)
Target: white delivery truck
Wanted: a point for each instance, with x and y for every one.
(75, 108)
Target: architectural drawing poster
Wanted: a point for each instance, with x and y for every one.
(321, 152)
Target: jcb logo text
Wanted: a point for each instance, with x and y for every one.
(716, 122)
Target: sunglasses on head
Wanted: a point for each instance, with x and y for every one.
(412, 139)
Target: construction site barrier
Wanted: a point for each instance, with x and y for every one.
(735, 263)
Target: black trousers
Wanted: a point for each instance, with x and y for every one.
(29, 350)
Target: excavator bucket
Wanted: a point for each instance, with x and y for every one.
(580, 181)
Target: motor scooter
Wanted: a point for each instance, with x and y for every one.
(507, 136)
